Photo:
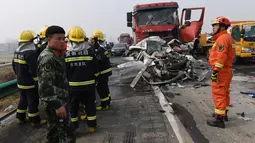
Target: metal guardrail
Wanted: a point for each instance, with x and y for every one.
(4, 65)
(8, 88)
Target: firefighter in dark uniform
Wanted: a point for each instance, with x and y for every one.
(24, 66)
(105, 70)
(81, 69)
(42, 44)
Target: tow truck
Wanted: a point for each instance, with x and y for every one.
(161, 19)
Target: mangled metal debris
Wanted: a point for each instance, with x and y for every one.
(165, 63)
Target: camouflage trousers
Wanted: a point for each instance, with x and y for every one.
(59, 130)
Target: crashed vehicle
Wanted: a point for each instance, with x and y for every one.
(165, 64)
(161, 19)
(148, 45)
(155, 43)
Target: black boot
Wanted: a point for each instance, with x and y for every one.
(225, 118)
(217, 122)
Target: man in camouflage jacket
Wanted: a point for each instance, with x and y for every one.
(53, 87)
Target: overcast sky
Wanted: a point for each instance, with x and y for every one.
(106, 15)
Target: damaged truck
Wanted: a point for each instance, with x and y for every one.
(161, 19)
(163, 45)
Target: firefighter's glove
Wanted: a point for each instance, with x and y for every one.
(214, 76)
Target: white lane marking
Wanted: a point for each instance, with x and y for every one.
(169, 110)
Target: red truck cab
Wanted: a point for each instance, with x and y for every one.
(161, 19)
(125, 38)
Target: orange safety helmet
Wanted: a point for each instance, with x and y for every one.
(221, 20)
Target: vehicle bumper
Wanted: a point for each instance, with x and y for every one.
(247, 55)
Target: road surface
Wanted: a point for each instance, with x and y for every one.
(134, 117)
(137, 117)
(195, 106)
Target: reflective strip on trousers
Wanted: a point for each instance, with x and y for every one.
(97, 74)
(25, 87)
(35, 78)
(74, 119)
(220, 112)
(21, 111)
(104, 99)
(109, 95)
(20, 61)
(219, 65)
(81, 58)
(91, 118)
(31, 115)
(106, 71)
(106, 52)
(89, 82)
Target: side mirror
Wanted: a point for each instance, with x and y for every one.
(129, 24)
(187, 14)
(129, 17)
(118, 38)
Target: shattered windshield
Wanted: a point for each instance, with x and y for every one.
(249, 34)
(153, 46)
(124, 38)
(157, 17)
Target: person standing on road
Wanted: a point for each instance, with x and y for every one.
(24, 66)
(105, 70)
(220, 59)
(54, 88)
(81, 70)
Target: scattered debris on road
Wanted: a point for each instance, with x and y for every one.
(243, 116)
(251, 94)
(9, 108)
(162, 111)
(240, 114)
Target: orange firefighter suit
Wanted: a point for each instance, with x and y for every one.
(221, 57)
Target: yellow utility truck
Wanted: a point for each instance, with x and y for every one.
(243, 34)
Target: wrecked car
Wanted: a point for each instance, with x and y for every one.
(166, 62)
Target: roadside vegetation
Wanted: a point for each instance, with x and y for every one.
(6, 74)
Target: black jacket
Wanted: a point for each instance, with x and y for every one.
(102, 56)
(40, 48)
(81, 68)
(24, 66)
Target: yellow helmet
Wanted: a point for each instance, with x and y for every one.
(98, 34)
(76, 34)
(26, 36)
(43, 32)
